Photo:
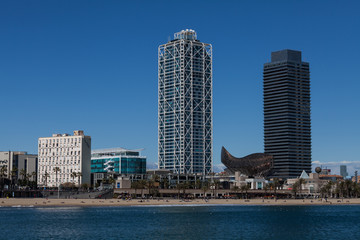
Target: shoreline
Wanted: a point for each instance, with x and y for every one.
(42, 202)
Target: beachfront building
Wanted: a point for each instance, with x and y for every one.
(255, 183)
(287, 127)
(64, 158)
(185, 104)
(18, 165)
(311, 183)
(113, 162)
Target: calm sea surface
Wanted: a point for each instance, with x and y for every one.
(182, 222)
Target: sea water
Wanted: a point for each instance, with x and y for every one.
(181, 222)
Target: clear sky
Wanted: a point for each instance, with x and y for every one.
(92, 65)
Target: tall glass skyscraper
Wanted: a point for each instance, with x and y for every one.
(185, 104)
(287, 127)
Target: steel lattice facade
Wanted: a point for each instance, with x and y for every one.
(287, 125)
(185, 104)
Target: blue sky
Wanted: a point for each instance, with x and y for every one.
(92, 65)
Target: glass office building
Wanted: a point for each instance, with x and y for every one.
(185, 104)
(117, 161)
(287, 126)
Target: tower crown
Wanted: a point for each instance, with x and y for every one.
(187, 34)
(286, 55)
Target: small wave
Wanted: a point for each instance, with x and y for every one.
(183, 205)
(55, 208)
(22, 206)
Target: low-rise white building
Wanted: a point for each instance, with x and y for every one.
(123, 182)
(69, 154)
(256, 183)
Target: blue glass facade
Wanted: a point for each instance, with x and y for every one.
(122, 165)
(118, 161)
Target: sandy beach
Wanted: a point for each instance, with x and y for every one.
(42, 202)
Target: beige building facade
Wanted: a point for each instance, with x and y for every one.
(67, 153)
(7, 162)
(312, 183)
(15, 161)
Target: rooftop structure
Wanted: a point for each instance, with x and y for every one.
(187, 34)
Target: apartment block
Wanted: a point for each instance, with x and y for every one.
(68, 154)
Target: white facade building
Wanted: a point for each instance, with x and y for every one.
(69, 153)
(185, 105)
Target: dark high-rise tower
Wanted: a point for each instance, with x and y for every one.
(287, 127)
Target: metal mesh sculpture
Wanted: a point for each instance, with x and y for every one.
(255, 165)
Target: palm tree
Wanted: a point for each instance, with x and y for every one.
(205, 188)
(295, 187)
(28, 176)
(112, 181)
(245, 188)
(85, 186)
(348, 185)
(165, 183)
(276, 184)
(187, 185)
(3, 172)
(45, 176)
(266, 188)
(79, 175)
(322, 190)
(326, 189)
(198, 184)
(235, 189)
(23, 174)
(156, 178)
(13, 175)
(33, 176)
(356, 189)
(142, 185)
(56, 170)
(270, 186)
(154, 184)
(215, 185)
(337, 190)
(150, 183)
(179, 186)
(73, 175)
(301, 181)
(136, 186)
(340, 188)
